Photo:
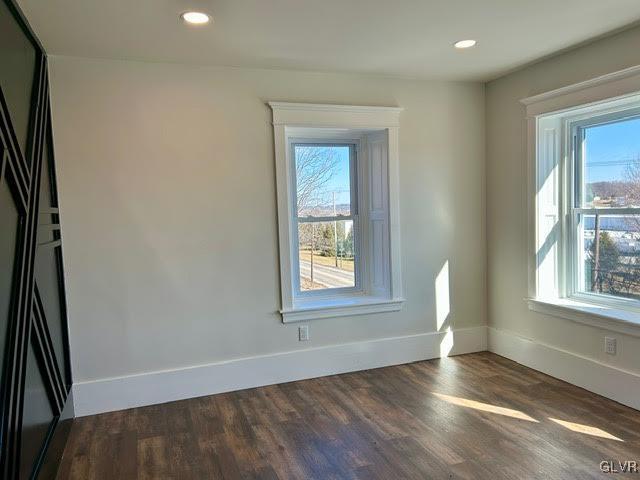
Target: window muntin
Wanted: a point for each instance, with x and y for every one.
(325, 217)
(605, 212)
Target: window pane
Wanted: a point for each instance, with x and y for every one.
(612, 165)
(323, 180)
(327, 255)
(611, 265)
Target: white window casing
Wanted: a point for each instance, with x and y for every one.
(373, 131)
(553, 254)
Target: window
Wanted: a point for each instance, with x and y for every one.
(326, 216)
(337, 174)
(605, 211)
(585, 202)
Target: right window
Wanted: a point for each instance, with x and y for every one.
(604, 177)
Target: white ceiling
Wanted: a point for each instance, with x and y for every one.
(391, 37)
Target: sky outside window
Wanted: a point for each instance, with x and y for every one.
(612, 164)
(322, 174)
(610, 149)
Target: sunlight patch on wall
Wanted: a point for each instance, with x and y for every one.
(443, 306)
(446, 345)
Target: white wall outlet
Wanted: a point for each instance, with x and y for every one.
(303, 333)
(610, 345)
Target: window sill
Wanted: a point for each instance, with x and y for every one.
(600, 316)
(311, 310)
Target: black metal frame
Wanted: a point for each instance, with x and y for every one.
(27, 322)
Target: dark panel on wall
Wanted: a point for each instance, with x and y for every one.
(9, 218)
(48, 263)
(57, 441)
(46, 274)
(36, 375)
(17, 71)
(37, 416)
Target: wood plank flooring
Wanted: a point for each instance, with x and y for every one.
(470, 417)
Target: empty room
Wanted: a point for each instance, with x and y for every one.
(296, 239)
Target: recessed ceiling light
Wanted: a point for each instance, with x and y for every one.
(195, 18)
(464, 43)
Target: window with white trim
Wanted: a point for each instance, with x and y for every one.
(605, 211)
(326, 216)
(338, 206)
(587, 206)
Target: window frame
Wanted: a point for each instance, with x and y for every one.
(377, 128)
(355, 188)
(575, 127)
(549, 294)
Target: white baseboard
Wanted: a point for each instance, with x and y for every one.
(165, 386)
(611, 382)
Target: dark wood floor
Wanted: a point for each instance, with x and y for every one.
(473, 416)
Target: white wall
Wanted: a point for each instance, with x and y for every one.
(506, 207)
(167, 192)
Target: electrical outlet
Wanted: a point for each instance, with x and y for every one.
(610, 345)
(303, 333)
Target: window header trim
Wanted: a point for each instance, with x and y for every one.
(334, 116)
(603, 88)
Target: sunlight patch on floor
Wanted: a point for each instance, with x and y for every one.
(486, 407)
(586, 429)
